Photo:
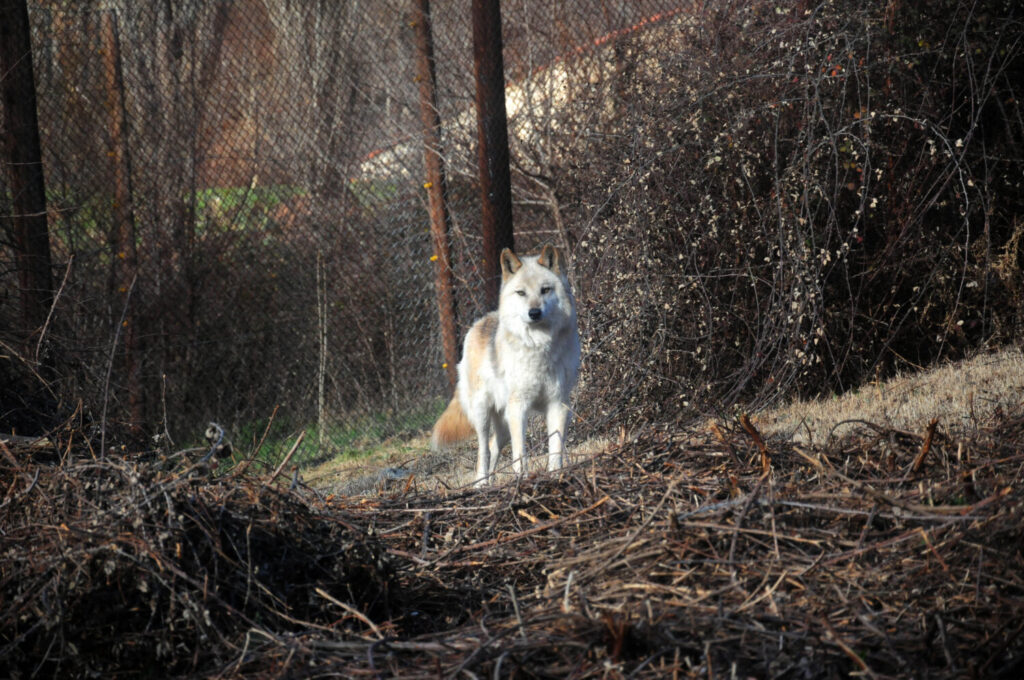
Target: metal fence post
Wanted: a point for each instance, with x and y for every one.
(492, 135)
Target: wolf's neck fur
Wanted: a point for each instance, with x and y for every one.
(536, 338)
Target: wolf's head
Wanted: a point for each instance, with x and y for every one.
(535, 291)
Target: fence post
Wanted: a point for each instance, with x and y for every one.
(436, 183)
(492, 135)
(24, 161)
(122, 234)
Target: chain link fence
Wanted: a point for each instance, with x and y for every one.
(760, 200)
(237, 215)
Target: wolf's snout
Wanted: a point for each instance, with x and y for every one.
(535, 313)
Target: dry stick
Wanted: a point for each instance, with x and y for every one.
(163, 405)
(397, 645)
(771, 506)
(248, 461)
(245, 649)
(353, 611)
(728, 444)
(945, 642)
(643, 526)
(965, 513)
(997, 655)
(10, 456)
(295, 447)
(527, 532)
(743, 513)
(816, 462)
(53, 305)
(515, 607)
(566, 606)
(766, 460)
(847, 649)
(889, 542)
(931, 548)
(110, 367)
(874, 493)
(926, 447)
(17, 466)
(426, 535)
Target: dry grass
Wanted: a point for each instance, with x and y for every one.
(960, 395)
(402, 461)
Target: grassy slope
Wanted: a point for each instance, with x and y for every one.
(960, 395)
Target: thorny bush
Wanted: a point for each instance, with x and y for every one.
(791, 199)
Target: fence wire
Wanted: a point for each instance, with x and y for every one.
(236, 206)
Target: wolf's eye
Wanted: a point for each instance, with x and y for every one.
(521, 292)
(545, 290)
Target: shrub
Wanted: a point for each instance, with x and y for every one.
(790, 201)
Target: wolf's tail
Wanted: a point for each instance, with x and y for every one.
(453, 426)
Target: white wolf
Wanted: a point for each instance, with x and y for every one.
(522, 358)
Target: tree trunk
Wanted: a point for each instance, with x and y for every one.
(492, 134)
(436, 183)
(24, 165)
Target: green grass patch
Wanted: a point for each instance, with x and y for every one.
(374, 191)
(352, 438)
(240, 208)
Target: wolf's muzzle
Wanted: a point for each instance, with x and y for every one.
(535, 313)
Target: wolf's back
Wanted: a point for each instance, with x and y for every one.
(453, 426)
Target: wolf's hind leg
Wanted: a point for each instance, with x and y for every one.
(557, 420)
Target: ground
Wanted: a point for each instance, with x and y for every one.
(675, 550)
(960, 394)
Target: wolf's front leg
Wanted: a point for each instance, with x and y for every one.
(557, 421)
(483, 437)
(499, 437)
(515, 413)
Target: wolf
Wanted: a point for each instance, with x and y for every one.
(522, 358)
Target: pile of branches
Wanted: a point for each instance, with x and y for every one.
(711, 554)
(113, 565)
(693, 552)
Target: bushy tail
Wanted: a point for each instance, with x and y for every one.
(453, 426)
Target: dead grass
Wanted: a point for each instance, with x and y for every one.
(960, 395)
(410, 461)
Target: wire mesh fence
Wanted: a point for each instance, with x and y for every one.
(759, 199)
(236, 207)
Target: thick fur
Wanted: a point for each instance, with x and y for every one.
(520, 359)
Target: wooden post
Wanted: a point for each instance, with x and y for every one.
(122, 233)
(23, 161)
(492, 135)
(436, 183)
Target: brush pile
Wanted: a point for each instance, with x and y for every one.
(111, 566)
(671, 554)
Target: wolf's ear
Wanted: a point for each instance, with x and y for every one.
(510, 264)
(551, 258)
